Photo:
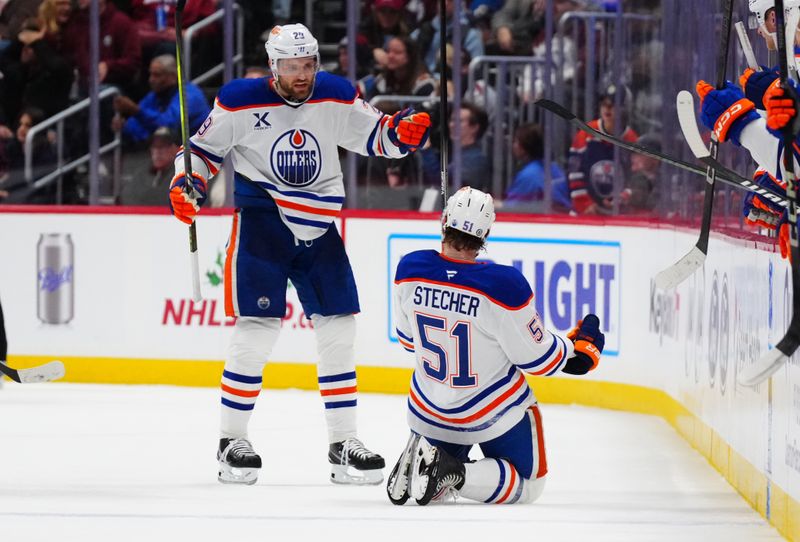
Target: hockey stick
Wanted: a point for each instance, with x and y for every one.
(444, 121)
(774, 359)
(187, 156)
(747, 47)
(43, 373)
(670, 277)
(724, 174)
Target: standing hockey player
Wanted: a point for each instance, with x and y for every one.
(474, 330)
(283, 133)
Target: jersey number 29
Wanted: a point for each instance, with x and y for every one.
(439, 368)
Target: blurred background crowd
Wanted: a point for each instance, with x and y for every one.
(616, 64)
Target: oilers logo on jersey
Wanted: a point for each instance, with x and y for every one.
(296, 158)
(601, 177)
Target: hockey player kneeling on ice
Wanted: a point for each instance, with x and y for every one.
(283, 134)
(474, 330)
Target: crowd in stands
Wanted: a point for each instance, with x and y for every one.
(398, 54)
(45, 66)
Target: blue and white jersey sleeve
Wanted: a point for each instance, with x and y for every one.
(366, 132)
(528, 345)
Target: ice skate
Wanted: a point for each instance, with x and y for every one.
(352, 463)
(238, 462)
(435, 474)
(397, 486)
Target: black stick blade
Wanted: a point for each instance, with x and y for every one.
(555, 108)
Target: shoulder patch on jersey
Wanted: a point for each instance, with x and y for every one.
(244, 93)
(502, 284)
(330, 87)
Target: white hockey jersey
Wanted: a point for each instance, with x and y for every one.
(288, 155)
(474, 329)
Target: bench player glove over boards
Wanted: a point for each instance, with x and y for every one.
(760, 211)
(781, 105)
(725, 111)
(589, 342)
(755, 84)
(184, 206)
(408, 129)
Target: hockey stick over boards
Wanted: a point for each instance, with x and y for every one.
(724, 174)
(42, 373)
(673, 275)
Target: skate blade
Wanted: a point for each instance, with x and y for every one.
(397, 488)
(235, 475)
(424, 455)
(341, 474)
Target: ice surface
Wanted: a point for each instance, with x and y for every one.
(119, 463)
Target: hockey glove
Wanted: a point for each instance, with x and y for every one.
(781, 105)
(759, 211)
(725, 111)
(184, 206)
(755, 84)
(589, 342)
(409, 130)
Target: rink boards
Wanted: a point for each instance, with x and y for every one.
(126, 298)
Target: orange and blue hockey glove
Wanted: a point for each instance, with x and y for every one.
(589, 342)
(761, 211)
(409, 130)
(755, 84)
(781, 105)
(184, 206)
(725, 111)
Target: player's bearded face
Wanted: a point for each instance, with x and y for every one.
(296, 76)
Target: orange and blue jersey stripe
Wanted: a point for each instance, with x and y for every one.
(405, 341)
(338, 390)
(551, 362)
(509, 487)
(479, 412)
(240, 391)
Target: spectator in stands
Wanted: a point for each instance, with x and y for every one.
(385, 22)
(363, 58)
(120, 49)
(37, 76)
(155, 22)
(256, 72)
(482, 95)
(32, 75)
(476, 169)
(529, 182)
(516, 25)
(428, 36)
(566, 60)
(13, 14)
(281, 11)
(53, 16)
(591, 161)
(642, 184)
(145, 185)
(12, 157)
(403, 74)
(161, 106)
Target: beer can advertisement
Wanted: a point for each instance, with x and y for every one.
(55, 264)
